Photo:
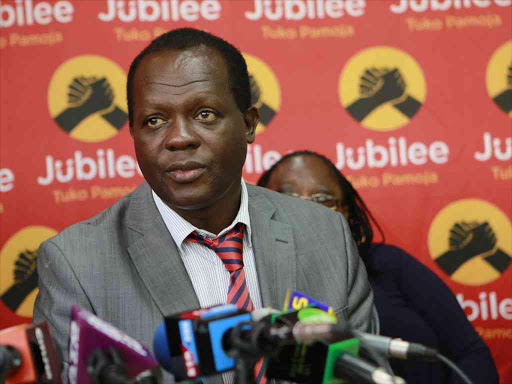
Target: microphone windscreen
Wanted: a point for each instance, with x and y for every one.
(161, 347)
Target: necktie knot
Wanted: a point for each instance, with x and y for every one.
(229, 247)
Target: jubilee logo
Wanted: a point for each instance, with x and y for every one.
(265, 91)
(87, 98)
(18, 269)
(499, 77)
(470, 241)
(383, 88)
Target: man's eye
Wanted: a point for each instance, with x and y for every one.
(206, 116)
(154, 121)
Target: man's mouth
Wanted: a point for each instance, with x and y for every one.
(185, 172)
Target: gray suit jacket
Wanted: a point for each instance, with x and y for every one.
(124, 266)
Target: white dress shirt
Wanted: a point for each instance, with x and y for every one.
(209, 276)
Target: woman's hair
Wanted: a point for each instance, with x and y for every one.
(359, 215)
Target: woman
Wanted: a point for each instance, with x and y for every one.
(412, 302)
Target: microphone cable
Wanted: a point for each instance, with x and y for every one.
(382, 363)
(453, 366)
(401, 349)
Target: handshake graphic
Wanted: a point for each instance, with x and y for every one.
(382, 86)
(470, 240)
(267, 113)
(504, 99)
(25, 280)
(91, 94)
(88, 96)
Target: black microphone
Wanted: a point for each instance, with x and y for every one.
(28, 355)
(10, 361)
(395, 347)
(349, 367)
(107, 367)
(387, 346)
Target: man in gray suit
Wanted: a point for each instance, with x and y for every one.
(191, 120)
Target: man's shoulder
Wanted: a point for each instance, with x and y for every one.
(255, 191)
(105, 222)
(292, 209)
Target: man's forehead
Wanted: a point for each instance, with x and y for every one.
(183, 67)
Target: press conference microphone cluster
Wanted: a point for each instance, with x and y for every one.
(29, 355)
(206, 342)
(375, 345)
(203, 342)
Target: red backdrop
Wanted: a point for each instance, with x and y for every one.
(411, 99)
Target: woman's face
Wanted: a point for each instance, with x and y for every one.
(309, 178)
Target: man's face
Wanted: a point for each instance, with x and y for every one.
(190, 138)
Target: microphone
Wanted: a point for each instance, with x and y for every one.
(395, 347)
(100, 353)
(107, 366)
(191, 344)
(28, 355)
(387, 346)
(10, 361)
(304, 326)
(350, 367)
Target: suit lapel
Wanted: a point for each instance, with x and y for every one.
(156, 256)
(274, 250)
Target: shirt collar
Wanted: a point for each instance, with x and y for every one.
(179, 228)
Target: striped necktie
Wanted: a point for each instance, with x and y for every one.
(229, 248)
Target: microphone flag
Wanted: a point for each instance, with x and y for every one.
(192, 344)
(297, 300)
(39, 359)
(88, 333)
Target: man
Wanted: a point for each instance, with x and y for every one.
(191, 119)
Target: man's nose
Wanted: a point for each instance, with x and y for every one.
(181, 135)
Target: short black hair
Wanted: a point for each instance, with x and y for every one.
(187, 38)
(359, 215)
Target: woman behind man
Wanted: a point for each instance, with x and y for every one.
(412, 302)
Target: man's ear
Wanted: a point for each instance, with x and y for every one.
(251, 119)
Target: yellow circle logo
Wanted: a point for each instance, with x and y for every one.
(471, 241)
(265, 91)
(87, 98)
(382, 88)
(18, 269)
(499, 77)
